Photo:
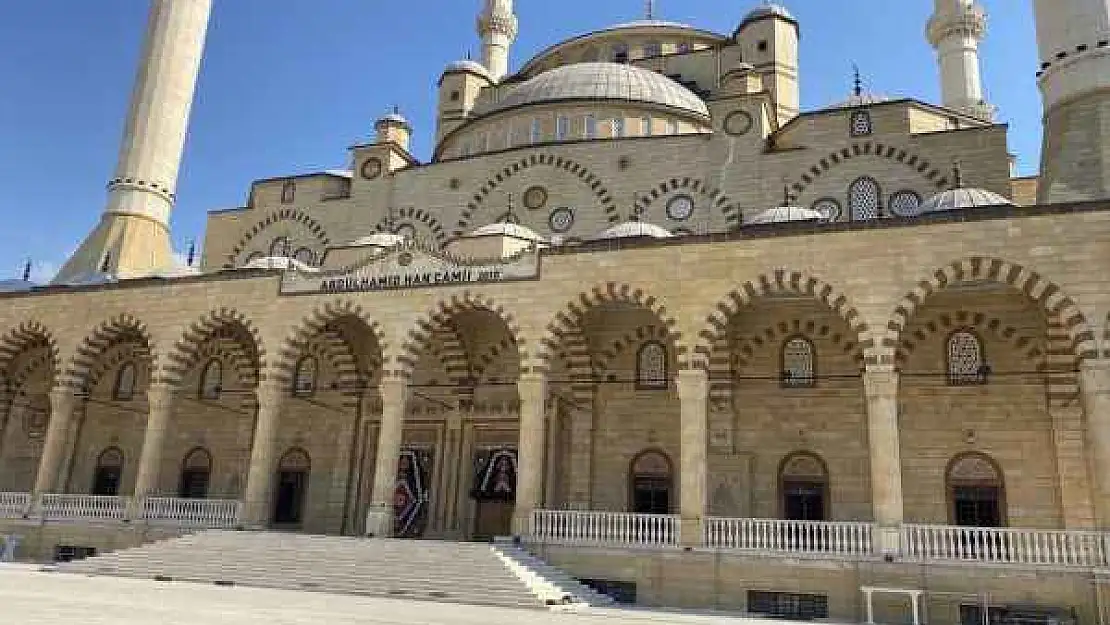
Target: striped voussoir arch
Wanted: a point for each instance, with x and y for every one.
(606, 355)
(780, 282)
(498, 363)
(716, 198)
(332, 327)
(570, 317)
(572, 369)
(777, 334)
(440, 317)
(233, 331)
(435, 232)
(123, 329)
(26, 337)
(870, 149)
(601, 193)
(1034, 286)
(1031, 348)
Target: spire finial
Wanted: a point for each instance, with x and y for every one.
(510, 216)
(650, 12)
(27, 271)
(192, 255)
(857, 81)
(786, 199)
(957, 175)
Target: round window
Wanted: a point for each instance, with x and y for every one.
(680, 207)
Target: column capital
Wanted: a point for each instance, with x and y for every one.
(61, 396)
(692, 376)
(395, 390)
(881, 379)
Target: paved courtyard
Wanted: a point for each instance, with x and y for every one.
(30, 597)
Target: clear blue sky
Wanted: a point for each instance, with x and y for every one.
(287, 86)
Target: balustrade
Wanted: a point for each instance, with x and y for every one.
(1004, 546)
(57, 507)
(215, 513)
(14, 505)
(779, 536)
(569, 527)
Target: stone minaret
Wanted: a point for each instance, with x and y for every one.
(133, 238)
(955, 31)
(497, 26)
(1074, 77)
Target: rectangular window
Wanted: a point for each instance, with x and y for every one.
(797, 606)
(672, 127)
(562, 128)
(645, 127)
(537, 131)
(591, 127)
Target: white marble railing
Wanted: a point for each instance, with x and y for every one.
(778, 536)
(1004, 546)
(569, 527)
(14, 505)
(214, 513)
(83, 507)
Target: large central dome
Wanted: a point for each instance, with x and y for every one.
(601, 81)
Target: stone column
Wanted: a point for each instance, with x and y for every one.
(693, 394)
(260, 476)
(881, 388)
(160, 399)
(1095, 384)
(530, 453)
(395, 396)
(62, 404)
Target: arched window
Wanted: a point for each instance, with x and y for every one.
(860, 124)
(651, 366)
(804, 488)
(620, 53)
(966, 365)
(212, 380)
(864, 199)
(125, 383)
(798, 370)
(304, 378)
(651, 480)
(108, 473)
(292, 487)
(976, 492)
(280, 247)
(196, 473)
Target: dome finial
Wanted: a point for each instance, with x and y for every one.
(650, 10)
(857, 81)
(27, 271)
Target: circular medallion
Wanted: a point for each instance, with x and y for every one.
(535, 198)
(561, 220)
(829, 209)
(680, 207)
(905, 204)
(738, 123)
(371, 168)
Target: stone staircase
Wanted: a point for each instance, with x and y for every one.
(471, 573)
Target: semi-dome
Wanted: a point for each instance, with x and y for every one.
(379, 239)
(503, 229)
(783, 214)
(635, 229)
(958, 199)
(601, 81)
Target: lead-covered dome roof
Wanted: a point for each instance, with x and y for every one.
(633, 230)
(962, 198)
(601, 81)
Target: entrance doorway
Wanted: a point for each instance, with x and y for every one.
(494, 493)
(651, 483)
(804, 487)
(975, 492)
(109, 473)
(292, 486)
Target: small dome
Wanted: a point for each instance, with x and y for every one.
(769, 9)
(635, 229)
(379, 239)
(650, 24)
(783, 214)
(467, 65)
(860, 99)
(958, 199)
(601, 81)
(394, 118)
(278, 262)
(90, 279)
(516, 231)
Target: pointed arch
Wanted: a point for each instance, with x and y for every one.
(891, 153)
(420, 339)
(985, 325)
(225, 331)
(1046, 294)
(293, 218)
(781, 282)
(570, 317)
(87, 366)
(341, 334)
(706, 192)
(23, 339)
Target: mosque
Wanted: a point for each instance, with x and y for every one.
(637, 309)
